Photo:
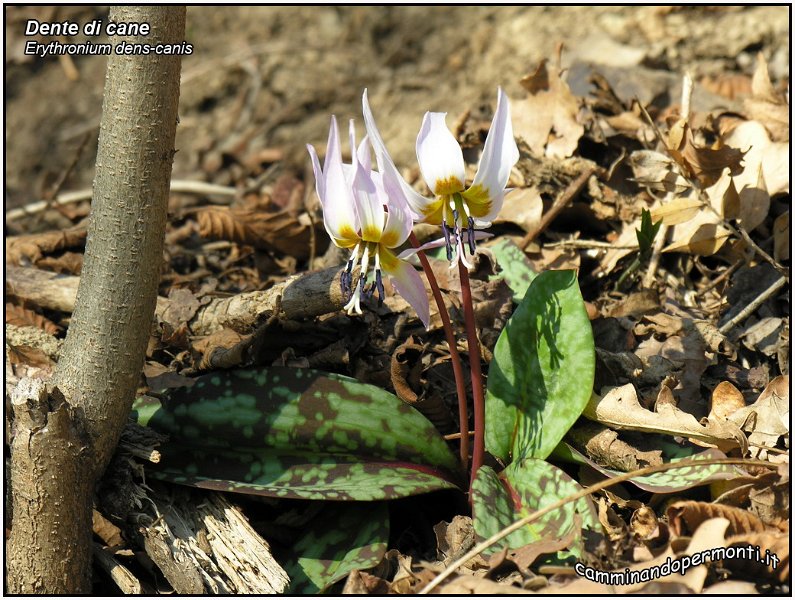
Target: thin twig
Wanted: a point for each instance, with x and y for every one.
(656, 251)
(757, 302)
(561, 202)
(455, 357)
(714, 283)
(581, 494)
(473, 345)
(587, 244)
(181, 186)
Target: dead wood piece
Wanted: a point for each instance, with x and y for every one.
(33, 337)
(208, 537)
(121, 575)
(303, 296)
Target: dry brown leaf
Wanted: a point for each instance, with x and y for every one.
(725, 401)
(34, 246)
(767, 419)
(285, 232)
(223, 349)
(781, 237)
(107, 531)
(454, 539)
(728, 85)
(613, 525)
(362, 583)
(160, 377)
(644, 523)
(522, 207)
(761, 151)
(678, 210)
(471, 584)
(770, 544)
(25, 317)
(685, 516)
(620, 409)
(658, 172)
(70, 263)
(603, 446)
(29, 357)
(547, 119)
(704, 164)
(701, 236)
(766, 105)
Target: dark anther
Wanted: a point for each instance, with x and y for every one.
(446, 231)
(379, 284)
(346, 278)
(471, 228)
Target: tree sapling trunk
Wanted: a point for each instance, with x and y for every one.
(65, 434)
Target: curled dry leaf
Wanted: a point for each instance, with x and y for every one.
(766, 105)
(701, 163)
(767, 419)
(684, 517)
(643, 522)
(454, 539)
(547, 119)
(620, 409)
(285, 232)
(604, 447)
(34, 246)
(25, 317)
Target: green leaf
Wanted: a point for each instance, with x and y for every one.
(646, 233)
(296, 433)
(524, 487)
(341, 538)
(542, 373)
(666, 482)
(515, 267)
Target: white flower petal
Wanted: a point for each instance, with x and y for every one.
(369, 206)
(500, 154)
(407, 282)
(339, 216)
(439, 155)
(417, 202)
(399, 218)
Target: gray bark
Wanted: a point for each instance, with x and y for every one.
(65, 438)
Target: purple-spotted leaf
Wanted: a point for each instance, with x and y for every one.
(296, 433)
(524, 487)
(341, 538)
(667, 482)
(542, 373)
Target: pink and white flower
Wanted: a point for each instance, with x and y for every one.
(455, 207)
(367, 211)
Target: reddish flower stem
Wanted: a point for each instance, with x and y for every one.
(478, 400)
(455, 358)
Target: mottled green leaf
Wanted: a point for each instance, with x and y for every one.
(542, 373)
(667, 482)
(296, 433)
(515, 267)
(341, 538)
(524, 487)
